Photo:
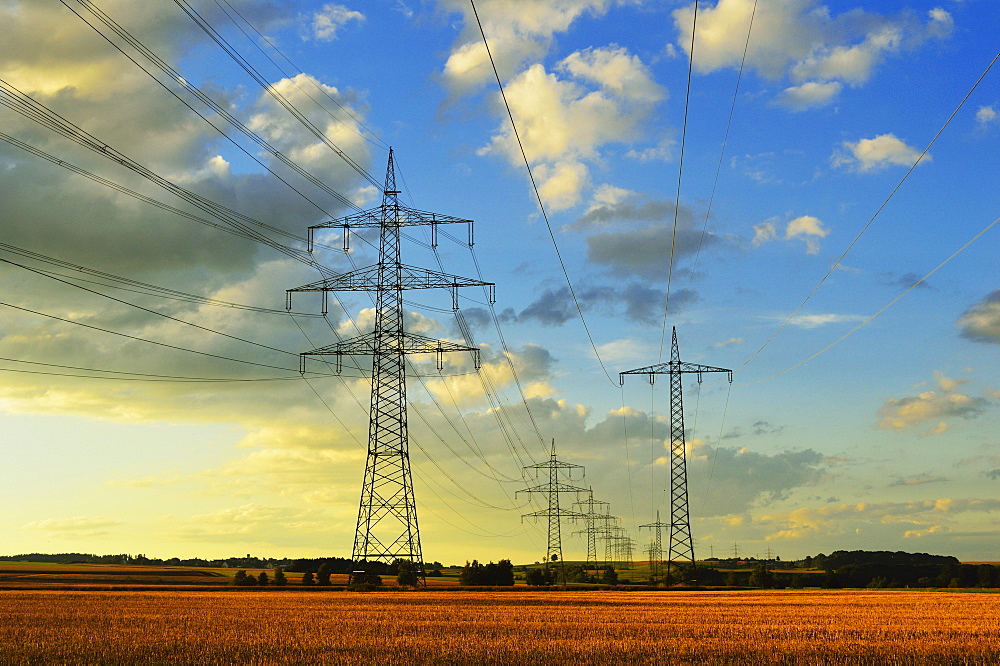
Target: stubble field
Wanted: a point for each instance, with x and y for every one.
(240, 626)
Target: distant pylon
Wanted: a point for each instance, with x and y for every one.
(554, 514)
(387, 526)
(681, 547)
(656, 547)
(591, 518)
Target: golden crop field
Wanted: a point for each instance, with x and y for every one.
(337, 627)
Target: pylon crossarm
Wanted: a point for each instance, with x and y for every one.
(546, 513)
(674, 368)
(549, 487)
(367, 344)
(410, 277)
(404, 216)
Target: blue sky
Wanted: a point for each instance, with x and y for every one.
(781, 247)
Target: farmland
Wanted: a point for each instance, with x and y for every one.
(334, 626)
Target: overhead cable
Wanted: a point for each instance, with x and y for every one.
(538, 196)
(871, 220)
(202, 23)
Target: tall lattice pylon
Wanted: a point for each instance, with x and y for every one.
(387, 526)
(681, 548)
(553, 512)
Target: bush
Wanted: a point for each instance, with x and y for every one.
(544, 576)
(406, 573)
(364, 581)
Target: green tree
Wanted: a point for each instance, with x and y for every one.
(761, 577)
(308, 579)
(610, 576)
(364, 581)
(406, 573)
(279, 577)
(262, 579)
(240, 579)
(323, 575)
(732, 580)
(544, 576)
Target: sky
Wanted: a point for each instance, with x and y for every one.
(816, 214)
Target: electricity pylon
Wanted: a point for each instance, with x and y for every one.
(681, 547)
(656, 547)
(553, 488)
(387, 526)
(590, 518)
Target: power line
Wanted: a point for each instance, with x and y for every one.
(23, 104)
(880, 310)
(871, 220)
(202, 23)
(680, 170)
(176, 77)
(377, 139)
(725, 142)
(538, 196)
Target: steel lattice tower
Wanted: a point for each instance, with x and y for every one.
(387, 526)
(590, 518)
(552, 489)
(656, 547)
(681, 547)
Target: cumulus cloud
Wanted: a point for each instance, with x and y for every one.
(809, 95)
(325, 23)
(902, 519)
(876, 154)
(986, 115)
(644, 248)
(749, 478)
(518, 31)
(981, 322)
(564, 123)
(945, 404)
(805, 228)
(804, 41)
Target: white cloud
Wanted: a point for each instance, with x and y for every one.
(809, 95)
(986, 115)
(808, 229)
(877, 153)
(616, 71)
(817, 320)
(518, 31)
(563, 124)
(805, 228)
(327, 21)
(981, 322)
(930, 406)
(802, 40)
(764, 233)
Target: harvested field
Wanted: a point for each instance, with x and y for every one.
(336, 627)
